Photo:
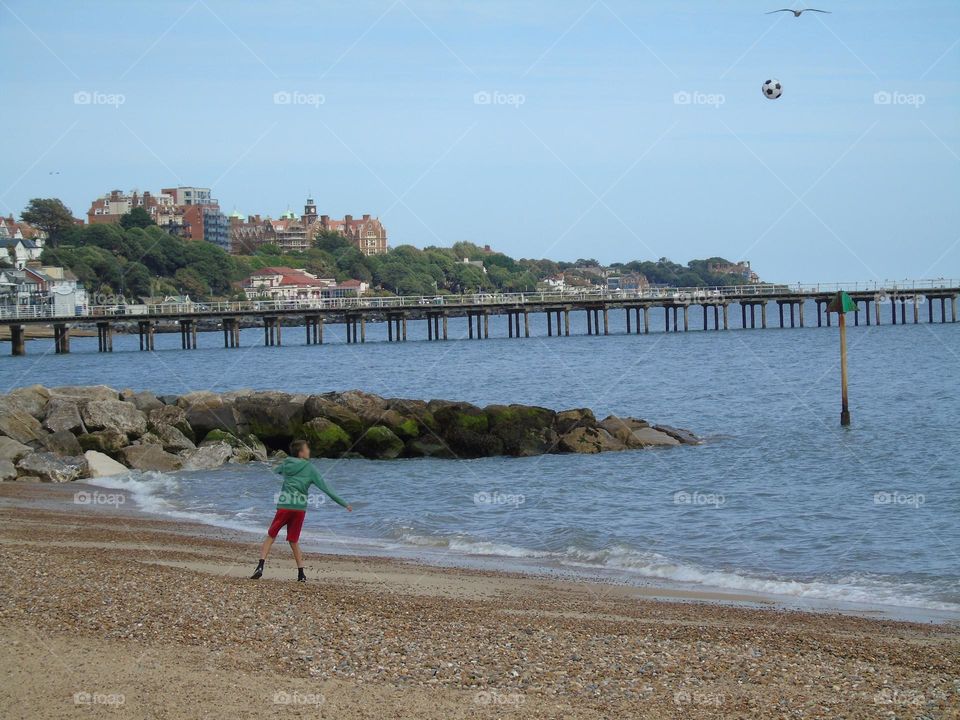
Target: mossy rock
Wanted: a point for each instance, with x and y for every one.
(577, 418)
(524, 430)
(108, 442)
(248, 448)
(323, 406)
(326, 439)
(458, 416)
(380, 443)
(469, 444)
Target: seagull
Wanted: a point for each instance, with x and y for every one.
(798, 13)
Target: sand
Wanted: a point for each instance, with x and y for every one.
(124, 616)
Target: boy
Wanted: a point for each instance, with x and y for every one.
(298, 476)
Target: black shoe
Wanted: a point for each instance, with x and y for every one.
(301, 577)
(257, 575)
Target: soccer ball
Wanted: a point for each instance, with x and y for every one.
(772, 89)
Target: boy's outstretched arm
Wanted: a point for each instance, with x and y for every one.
(322, 485)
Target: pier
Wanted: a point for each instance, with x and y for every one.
(606, 313)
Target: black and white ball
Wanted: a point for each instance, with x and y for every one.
(772, 89)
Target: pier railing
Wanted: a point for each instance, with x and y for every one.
(559, 296)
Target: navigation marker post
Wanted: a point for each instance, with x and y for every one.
(842, 304)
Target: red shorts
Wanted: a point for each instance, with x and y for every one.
(293, 519)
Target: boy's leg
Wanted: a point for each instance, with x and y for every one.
(298, 556)
(279, 519)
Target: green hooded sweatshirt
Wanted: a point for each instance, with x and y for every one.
(298, 476)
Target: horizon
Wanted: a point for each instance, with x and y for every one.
(455, 124)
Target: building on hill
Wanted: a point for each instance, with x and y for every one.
(206, 222)
(741, 269)
(111, 207)
(21, 242)
(290, 233)
(366, 233)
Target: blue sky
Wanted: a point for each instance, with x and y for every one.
(607, 129)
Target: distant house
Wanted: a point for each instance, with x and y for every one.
(48, 287)
(284, 283)
(475, 263)
(348, 288)
(22, 242)
(741, 269)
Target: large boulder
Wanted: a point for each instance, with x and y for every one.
(684, 437)
(52, 468)
(327, 439)
(172, 440)
(108, 442)
(85, 392)
(524, 430)
(172, 415)
(114, 415)
(418, 411)
(62, 442)
(274, 417)
(567, 420)
(207, 457)
(101, 465)
(588, 440)
(144, 401)
(379, 443)
(32, 399)
(150, 457)
(323, 406)
(17, 423)
(63, 414)
(368, 406)
(8, 471)
(247, 448)
(636, 433)
(206, 411)
(12, 450)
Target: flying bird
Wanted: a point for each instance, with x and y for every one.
(798, 13)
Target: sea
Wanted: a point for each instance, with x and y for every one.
(780, 502)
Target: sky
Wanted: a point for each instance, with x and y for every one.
(565, 129)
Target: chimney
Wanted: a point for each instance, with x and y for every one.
(366, 217)
(347, 219)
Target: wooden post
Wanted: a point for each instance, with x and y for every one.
(705, 309)
(916, 309)
(646, 320)
(363, 329)
(606, 321)
(780, 305)
(404, 327)
(526, 325)
(686, 319)
(943, 312)
(589, 323)
(549, 324)
(800, 305)
(628, 320)
(844, 407)
(743, 316)
(716, 317)
(566, 322)
(726, 317)
(444, 326)
(763, 315)
(953, 310)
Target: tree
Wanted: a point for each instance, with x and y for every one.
(330, 240)
(138, 217)
(49, 215)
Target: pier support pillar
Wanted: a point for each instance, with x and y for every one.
(686, 318)
(550, 323)
(17, 344)
(526, 325)
(943, 310)
(666, 319)
(646, 319)
(763, 316)
(636, 311)
(589, 323)
(444, 327)
(705, 309)
(780, 306)
(876, 311)
(716, 317)
(104, 337)
(953, 311)
(916, 309)
(792, 323)
(61, 338)
(743, 316)
(800, 304)
(753, 316)
(628, 319)
(516, 323)
(606, 322)
(726, 316)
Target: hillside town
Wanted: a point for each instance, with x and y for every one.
(305, 256)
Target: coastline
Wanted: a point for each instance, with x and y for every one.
(119, 592)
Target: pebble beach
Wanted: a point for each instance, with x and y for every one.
(135, 617)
